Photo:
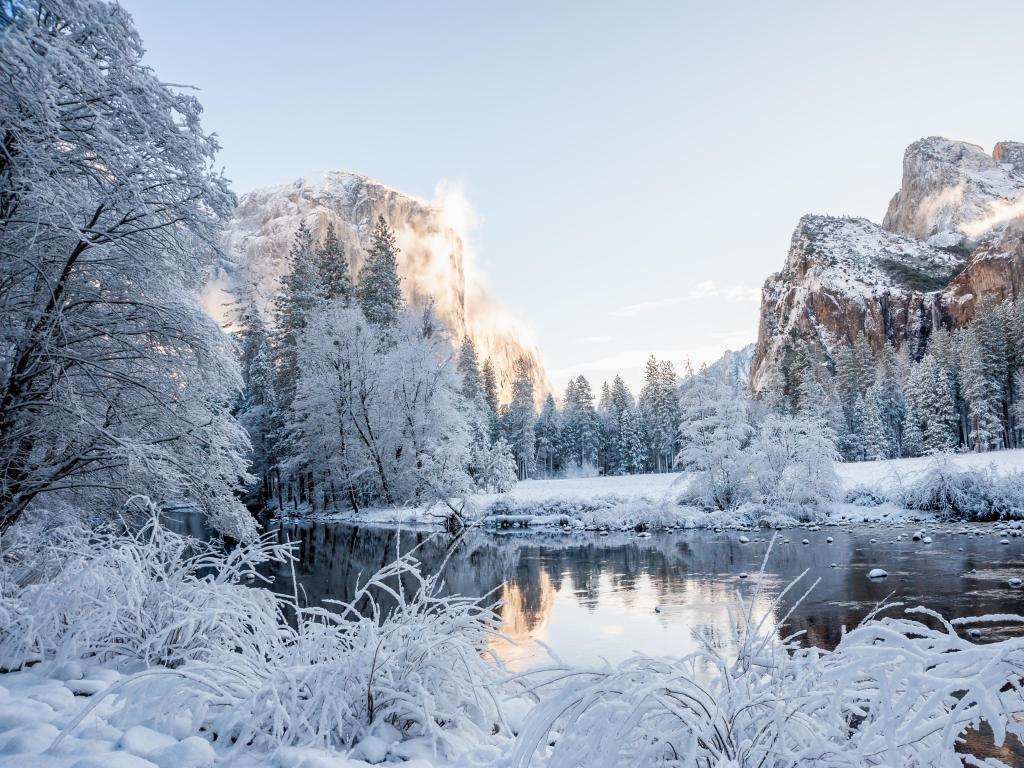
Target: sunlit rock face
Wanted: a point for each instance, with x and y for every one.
(435, 263)
(952, 236)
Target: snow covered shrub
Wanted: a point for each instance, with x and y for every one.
(894, 692)
(495, 467)
(152, 596)
(715, 434)
(794, 462)
(865, 496)
(963, 493)
(419, 670)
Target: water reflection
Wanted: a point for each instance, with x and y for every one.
(591, 597)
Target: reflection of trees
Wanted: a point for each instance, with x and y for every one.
(527, 570)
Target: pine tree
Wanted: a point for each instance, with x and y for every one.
(548, 430)
(299, 295)
(490, 384)
(257, 408)
(489, 381)
(607, 453)
(979, 392)
(333, 268)
(580, 430)
(877, 439)
(379, 290)
(659, 413)
(472, 384)
(630, 442)
(518, 420)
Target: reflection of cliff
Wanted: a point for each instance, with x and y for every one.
(581, 589)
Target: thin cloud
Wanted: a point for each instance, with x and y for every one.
(706, 289)
(632, 310)
(709, 289)
(596, 339)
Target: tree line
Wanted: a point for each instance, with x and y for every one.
(966, 392)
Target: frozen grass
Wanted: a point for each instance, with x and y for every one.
(896, 691)
(150, 596)
(397, 665)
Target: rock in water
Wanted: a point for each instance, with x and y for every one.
(877, 573)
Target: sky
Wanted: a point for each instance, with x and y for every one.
(636, 168)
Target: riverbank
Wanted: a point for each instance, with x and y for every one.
(895, 490)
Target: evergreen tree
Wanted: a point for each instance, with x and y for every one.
(518, 420)
(580, 430)
(980, 394)
(659, 412)
(257, 408)
(379, 291)
(298, 296)
(490, 385)
(333, 268)
(630, 442)
(469, 368)
(877, 439)
(548, 431)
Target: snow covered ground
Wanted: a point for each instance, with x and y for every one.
(638, 499)
(41, 702)
(888, 473)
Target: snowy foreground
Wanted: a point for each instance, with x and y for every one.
(870, 490)
(152, 650)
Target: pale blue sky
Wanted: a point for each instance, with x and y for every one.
(638, 167)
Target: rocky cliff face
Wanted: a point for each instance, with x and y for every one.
(434, 262)
(953, 235)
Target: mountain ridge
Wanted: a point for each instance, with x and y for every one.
(435, 260)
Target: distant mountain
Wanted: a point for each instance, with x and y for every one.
(434, 263)
(952, 235)
(733, 368)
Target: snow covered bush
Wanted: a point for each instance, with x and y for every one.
(716, 434)
(258, 670)
(495, 469)
(894, 692)
(972, 494)
(396, 662)
(150, 595)
(794, 462)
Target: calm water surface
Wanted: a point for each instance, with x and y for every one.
(591, 597)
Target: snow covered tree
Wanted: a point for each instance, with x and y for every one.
(498, 470)
(333, 269)
(112, 379)
(580, 426)
(980, 393)
(490, 384)
(381, 421)
(299, 295)
(794, 462)
(715, 436)
(379, 291)
(469, 369)
(630, 443)
(659, 413)
(877, 437)
(931, 412)
(257, 407)
(517, 420)
(548, 431)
